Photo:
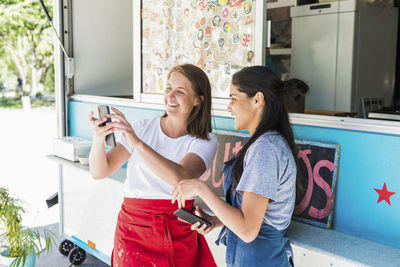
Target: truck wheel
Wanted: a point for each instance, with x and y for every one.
(65, 247)
(77, 256)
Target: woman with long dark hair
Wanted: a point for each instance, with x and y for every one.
(261, 180)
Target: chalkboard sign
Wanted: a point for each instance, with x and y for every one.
(318, 164)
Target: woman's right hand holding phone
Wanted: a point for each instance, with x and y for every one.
(122, 125)
(99, 131)
(201, 229)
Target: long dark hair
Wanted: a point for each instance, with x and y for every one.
(199, 121)
(251, 80)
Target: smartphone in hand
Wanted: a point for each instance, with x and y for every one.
(190, 217)
(103, 111)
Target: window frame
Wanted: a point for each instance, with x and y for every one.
(154, 101)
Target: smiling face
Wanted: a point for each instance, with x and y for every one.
(179, 97)
(243, 110)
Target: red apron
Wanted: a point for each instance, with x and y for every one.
(149, 234)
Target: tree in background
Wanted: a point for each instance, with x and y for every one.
(26, 45)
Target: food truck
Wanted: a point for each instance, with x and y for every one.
(118, 53)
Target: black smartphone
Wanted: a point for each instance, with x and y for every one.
(110, 139)
(190, 217)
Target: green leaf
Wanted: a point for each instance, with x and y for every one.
(20, 240)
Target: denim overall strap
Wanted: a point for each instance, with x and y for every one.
(227, 184)
(226, 236)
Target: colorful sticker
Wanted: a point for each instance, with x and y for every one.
(167, 3)
(236, 38)
(158, 54)
(246, 40)
(227, 26)
(143, 13)
(222, 2)
(196, 54)
(186, 12)
(180, 25)
(216, 54)
(169, 23)
(206, 46)
(200, 34)
(250, 55)
(225, 13)
(227, 67)
(203, 4)
(146, 33)
(213, 2)
(216, 21)
(202, 21)
(211, 7)
(233, 3)
(148, 65)
(247, 6)
(154, 16)
(235, 16)
(207, 49)
(248, 20)
(208, 31)
(221, 42)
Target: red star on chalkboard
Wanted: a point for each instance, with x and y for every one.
(384, 194)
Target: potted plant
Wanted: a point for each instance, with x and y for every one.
(19, 245)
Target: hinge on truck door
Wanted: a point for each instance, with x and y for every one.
(69, 61)
(67, 31)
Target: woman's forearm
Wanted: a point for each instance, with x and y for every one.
(230, 216)
(168, 170)
(98, 163)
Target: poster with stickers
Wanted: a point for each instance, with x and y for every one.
(216, 35)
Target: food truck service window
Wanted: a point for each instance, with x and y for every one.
(218, 36)
(346, 51)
